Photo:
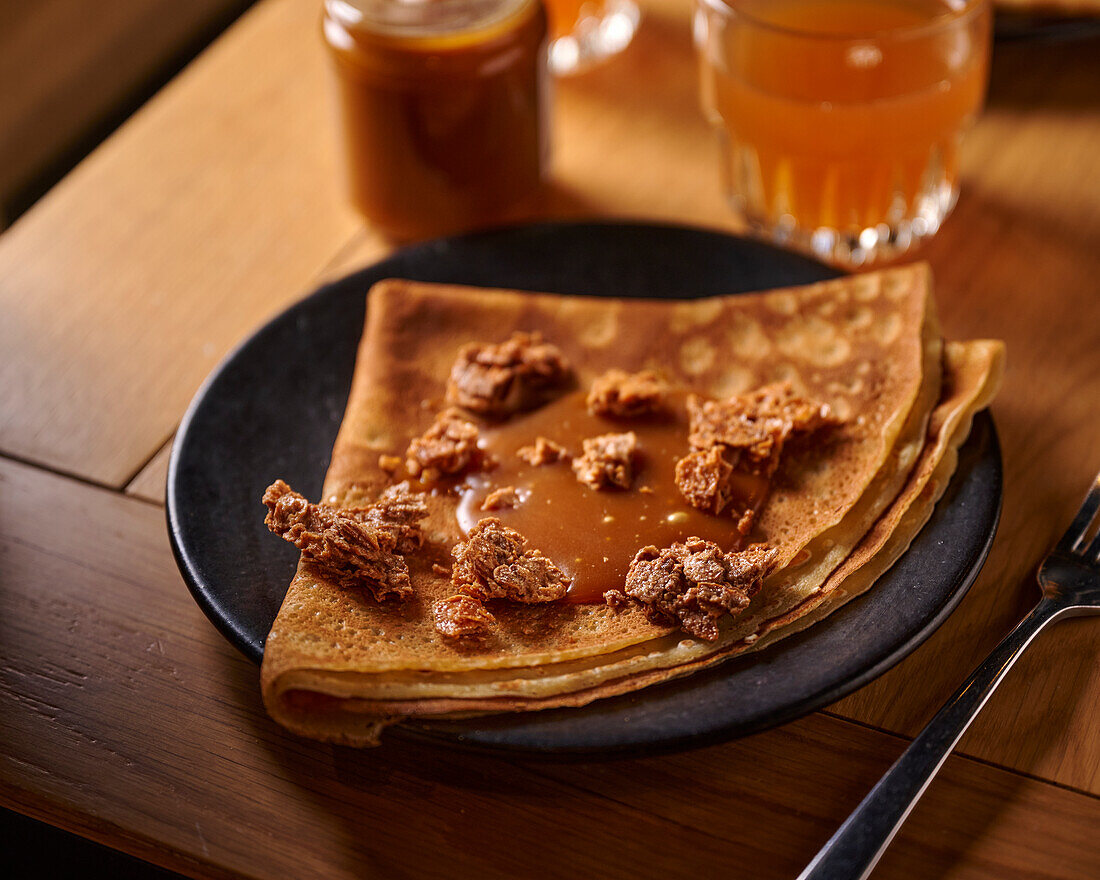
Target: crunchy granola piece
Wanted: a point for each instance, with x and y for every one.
(758, 422)
(608, 461)
(542, 452)
(361, 547)
(498, 380)
(447, 447)
(693, 583)
(462, 617)
(499, 498)
(441, 570)
(723, 423)
(493, 563)
(737, 445)
(398, 511)
(703, 478)
(626, 395)
(777, 402)
(531, 578)
(709, 480)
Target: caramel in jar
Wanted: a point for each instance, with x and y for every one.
(444, 109)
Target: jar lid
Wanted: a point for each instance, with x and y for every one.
(411, 18)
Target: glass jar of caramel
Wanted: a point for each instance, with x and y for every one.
(444, 106)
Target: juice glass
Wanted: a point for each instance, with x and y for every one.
(584, 32)
(840, 120)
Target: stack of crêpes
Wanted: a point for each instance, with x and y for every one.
(842, 506)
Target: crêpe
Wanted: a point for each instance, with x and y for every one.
(337, 664)
(972, 376)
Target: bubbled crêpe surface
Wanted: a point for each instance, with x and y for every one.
(337, 662)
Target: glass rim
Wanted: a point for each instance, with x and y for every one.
(950, 18)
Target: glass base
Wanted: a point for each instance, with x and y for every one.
(855, 249)
(596, 36)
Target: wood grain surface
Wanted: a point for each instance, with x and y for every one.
(213, 207)
(132, 722)
(150, 481)
(69, 67)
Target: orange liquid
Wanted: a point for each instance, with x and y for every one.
(838, 132)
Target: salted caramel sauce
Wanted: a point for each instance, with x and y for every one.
(593, 535)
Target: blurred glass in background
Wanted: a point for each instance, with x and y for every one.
(840, 121)
(585, 32)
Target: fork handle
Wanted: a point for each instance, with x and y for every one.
(852, 852)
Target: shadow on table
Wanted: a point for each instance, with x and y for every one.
(34, 850)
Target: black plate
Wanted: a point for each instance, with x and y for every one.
(273, 407)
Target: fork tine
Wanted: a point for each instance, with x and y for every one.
(1093, 551)
(1074, 538)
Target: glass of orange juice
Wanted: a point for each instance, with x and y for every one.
(583, 32)
(840, 120)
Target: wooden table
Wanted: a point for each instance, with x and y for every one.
(129, 720)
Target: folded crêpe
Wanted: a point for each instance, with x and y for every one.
(340, 666)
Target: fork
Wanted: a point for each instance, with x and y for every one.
(1070, 580)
